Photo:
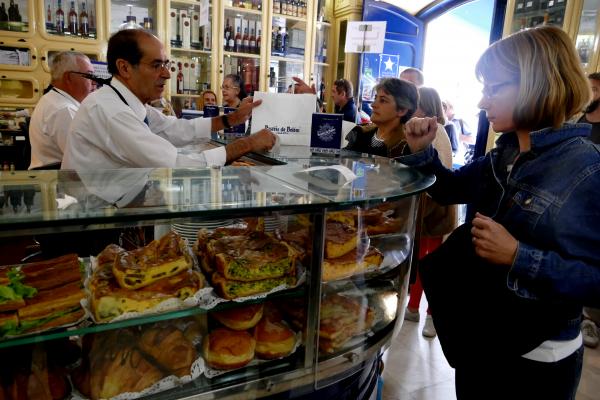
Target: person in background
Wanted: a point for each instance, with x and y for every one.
(413, 75)
(529, 260)
(437, 220)
(56, 109)
(209, 98)
(342, 96)
(591, 316)
(430, 105)
(116, 128)
(396, 101)
(592, 112)
(233, 91)
(464, 133)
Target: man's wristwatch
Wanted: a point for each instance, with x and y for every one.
(225, 121)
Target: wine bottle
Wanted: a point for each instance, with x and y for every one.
(180, 78)
(258, 42)
(48, 15)
(84, 26)
(227, 34)
(73, 20)
(278, 41)
(245, 42)
(238, 41)
(252, 40)
(60, 19)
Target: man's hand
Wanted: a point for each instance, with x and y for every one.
(302, 87)
(243, 112)
(263, 140)
(420, 132)
(492, 241)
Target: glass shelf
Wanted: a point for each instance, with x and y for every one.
(75, 331)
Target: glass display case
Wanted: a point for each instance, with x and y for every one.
(17, 56)
(71, 19)
(15, 17)
(124, 14)
(288, 44)
(261, 280)
(587, 35)
(530, 13)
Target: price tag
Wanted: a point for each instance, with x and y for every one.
(519, 6)
(550, 3)
(529, 4)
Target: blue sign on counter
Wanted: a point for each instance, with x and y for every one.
(236, 130)
(326, 133)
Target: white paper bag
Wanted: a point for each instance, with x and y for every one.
(287, 115)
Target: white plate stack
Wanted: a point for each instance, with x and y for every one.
(189, 230)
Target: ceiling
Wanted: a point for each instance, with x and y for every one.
(411, 6)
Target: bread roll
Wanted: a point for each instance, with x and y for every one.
(240, 318)
(273, 339)
(227, 349)
(169, 348)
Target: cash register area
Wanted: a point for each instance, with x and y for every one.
(415, 367)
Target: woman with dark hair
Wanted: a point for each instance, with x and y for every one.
(233, 91)
(395, 103)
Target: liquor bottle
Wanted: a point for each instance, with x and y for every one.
(255, 4)
(148, 23)
(180, 78)
(259, 5)
(73, 20)
(92, 20)
(258, 42)
(227, 35)
(252, 41)
(283, 5)
(84, 24)
(277, 6)
(236, 3)
(295, 8)
(324, 52)
(278, 41)
(3, 17)
(60, 19)
(231, 39)
(245, 42)
(284, 42)
(238, 41)
(48, 15)
(273, 41)
(242, 4)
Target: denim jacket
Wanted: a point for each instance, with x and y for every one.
(549, 200)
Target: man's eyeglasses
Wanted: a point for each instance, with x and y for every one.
(158, 65)
(492, 91)
(92, 77)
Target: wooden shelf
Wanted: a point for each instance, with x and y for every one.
(286, 59)
(289, 17)
(241, 55)
(191, 51)
(242, 10)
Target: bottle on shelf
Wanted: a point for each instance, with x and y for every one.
(272, 79)
(238, 41)
(131, 21)
(258, 42)
(73, 20)
(92, 20)
(242, 4)
(59, 25)
(283, 6)
(180, 78)
(324, 52)
(148, 23)
(277, 6)
(84, 24)
(3, 17)
(295, 8)
(278, 41)
(48, 15)
(284, 42)
(227, 34)
(236, 3)
(252, 42)
(245, 42)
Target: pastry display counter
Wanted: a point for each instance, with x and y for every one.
(285, 281)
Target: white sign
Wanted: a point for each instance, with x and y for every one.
(204, 9)
(365, 37)
(287, 115)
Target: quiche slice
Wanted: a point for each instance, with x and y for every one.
(230, 289)
(159, 259)
(340, 239)
(351, 263)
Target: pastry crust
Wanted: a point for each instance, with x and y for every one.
(230, 289)
(351, 263)
(227, 349)
(340, 239)
(159, 259)
(273, 339)
(240, 318)
(169, 347)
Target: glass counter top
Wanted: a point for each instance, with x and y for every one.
(51, 199)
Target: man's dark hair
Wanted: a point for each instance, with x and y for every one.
(344, 85)
(595, 76)
(124, 45)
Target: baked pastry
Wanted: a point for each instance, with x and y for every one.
(117, 366)
(251, 256)
(345, 217)
(351, 263)
(47, 274)
(230, 289)
(340, 239)
(159, 259)
(228, 349)
(274, 339)
(341, 318)
(240, 318)
(169, 348)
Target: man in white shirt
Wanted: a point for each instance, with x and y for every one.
(116, 128)
(54, 112)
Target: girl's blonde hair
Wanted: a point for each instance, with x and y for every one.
(544, 62)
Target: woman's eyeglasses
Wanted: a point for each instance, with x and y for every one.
(224, 87)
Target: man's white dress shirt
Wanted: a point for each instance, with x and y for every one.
(106, 133)
(49, 126)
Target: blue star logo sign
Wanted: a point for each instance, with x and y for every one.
(389, 65)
